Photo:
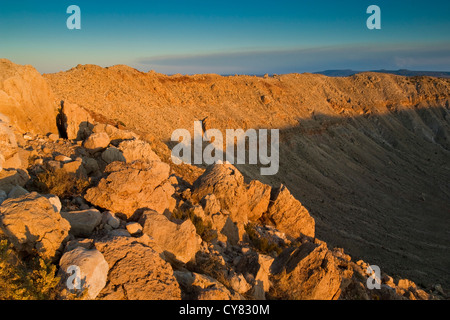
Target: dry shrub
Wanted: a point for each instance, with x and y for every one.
(261, 244)
(62, 183)
(32, 279)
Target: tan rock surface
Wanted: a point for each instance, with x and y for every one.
(147, 190)
(32, 225)
(306, 273)
(289, 215)
(26, 98)
(179, 240)
(137, 272)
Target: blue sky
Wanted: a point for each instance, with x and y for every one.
(228, 37)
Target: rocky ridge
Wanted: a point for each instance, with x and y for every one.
(367, 155)
(122, 213)
(163, 238)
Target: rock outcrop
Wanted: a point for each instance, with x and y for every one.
(289, 215)
(306, 273)
(26, 98)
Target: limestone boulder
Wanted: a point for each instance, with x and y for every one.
(84, 222)
(133, 150)
(137, 272)
(33, 226)
(87, 264)
(97, 141)
(180, 241)
(226, 183)
(308, 272)
(132, 186)
(289, 215)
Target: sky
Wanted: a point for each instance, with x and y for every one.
(228, 37)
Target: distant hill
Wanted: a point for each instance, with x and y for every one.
(401, 72)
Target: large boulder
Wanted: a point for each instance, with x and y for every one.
(289, 215)
(97, 141)
(137, 272)
(179, 241)
(137, 150)
(26, 98)
(84, 222)
(33, 226)
(89, 265)
(308, 272)
(226, 183)
(133, 186)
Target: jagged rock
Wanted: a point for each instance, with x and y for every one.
(210, 204)
(227, 185)
(26, 98)
(289, 215)
(306, 273)
(137, 272)
(180, 241)
(258, 266)
(132, 186)
(93, 270)
(258, 199)
(31, 224)
(112, 154)
(137, 150)
(97, 141)
(202, 287)
(220, 222)
(83, 223)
